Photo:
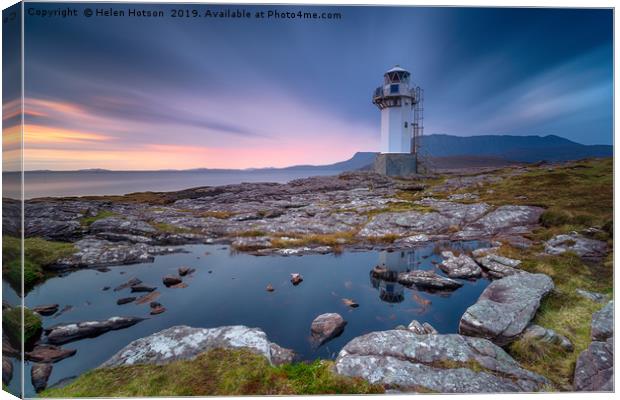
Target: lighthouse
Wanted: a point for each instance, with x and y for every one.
(400, 103)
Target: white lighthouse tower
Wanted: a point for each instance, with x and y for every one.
(400, 103)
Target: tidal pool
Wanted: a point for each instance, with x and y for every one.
(229, 289)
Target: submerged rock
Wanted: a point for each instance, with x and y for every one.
(60, 334)
(129, 283)
(186, 343)
(39, 375)
(350, 303)
(506, 307)
(440, 363)
(125, 300)
(46, 310)
(45, 353)
(594, 370)
(588, 249)
(427, 280)
(459, 267)
(185, 271)
(170, 280)
(142, 288)
(326, 327)
(603, 323)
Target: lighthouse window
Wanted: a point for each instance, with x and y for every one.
(393, 88)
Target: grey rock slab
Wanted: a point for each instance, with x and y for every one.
(445, 363)
(539, 333)
(498, 266)
(603, 323)
(576, 243)
(503, 220)
(131, 226)
(461, 266)
(186, 343)
(506, 307)
(326, 327)
(60, 334)
(427, 280)
(421, 328)
(594, 370)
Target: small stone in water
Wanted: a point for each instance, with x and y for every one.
(270, 288)
(350, 303)
(296, 279)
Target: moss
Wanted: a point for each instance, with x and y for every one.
(87, 221)
(38, 253)
(217, 214)
(12, 323)
(215, 373)
(328, 239)
(251, 233)
(169, 228)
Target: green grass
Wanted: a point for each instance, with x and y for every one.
(12, 323)
(215, 373)
(38, 253)
(87, 221)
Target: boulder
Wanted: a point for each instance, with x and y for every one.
(603, 323)
(47, 353)
(441, 363)
(588, 249)
(60, 334)
(593, 296)
(46, 310)
(459, 267)
(506, 307)
(39, 374)
(539, 333)
(421, 329)
(170, 280)
(296, 279)
(326, 327)
(186, 343)
(498, 266)
(7, 370)
(427, 280)
(594, 370)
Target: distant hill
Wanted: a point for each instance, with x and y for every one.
(512, 148)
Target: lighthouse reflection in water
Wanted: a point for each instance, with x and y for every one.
(389, 289)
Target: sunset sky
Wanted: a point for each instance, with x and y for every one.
(127, 93)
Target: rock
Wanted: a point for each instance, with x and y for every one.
(7, 348)
(296, 279)
(588, 249)
(505, 220)
(427, 280)
(421, 329)
(280, 355)
(46, 353)
(60, 334)
(125, 300)
(506, 307)
(350, 303)
(142, 288)
(130, 226)
(129, 283)
(147, 298)
(498, 266)
(444, 363)
(39, 375)
(7, 370)
(326, 327)
(158, 309)
(539, 333)
(46, 310)
(105, 288)
(181, 285)
(270, 288)
(251, 243)
(459, 267)
(603, 323)
(186, 343)
(593, 296)
(594, 370)
(185, 271)
(170, 280)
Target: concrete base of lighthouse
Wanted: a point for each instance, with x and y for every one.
(396, 164)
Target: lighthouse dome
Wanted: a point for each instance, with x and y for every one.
(397, 74)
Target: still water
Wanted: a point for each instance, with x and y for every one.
(94, 183)
(229, 289)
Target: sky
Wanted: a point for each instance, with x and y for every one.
(178, 93)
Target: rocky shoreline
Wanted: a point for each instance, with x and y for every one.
(350, 212)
